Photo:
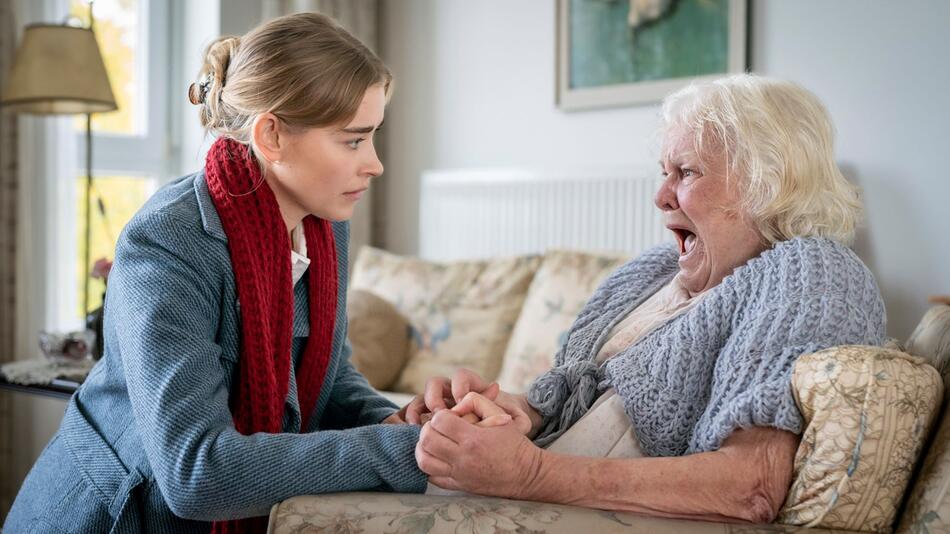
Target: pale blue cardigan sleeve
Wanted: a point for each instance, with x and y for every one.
(168, 305)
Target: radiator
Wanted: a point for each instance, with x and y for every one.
(489, 213)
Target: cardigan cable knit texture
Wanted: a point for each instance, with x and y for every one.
(724, 364)
(257, 235)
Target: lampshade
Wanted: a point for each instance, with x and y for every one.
(58, 69)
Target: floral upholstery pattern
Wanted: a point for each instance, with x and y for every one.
(461, 314)
(426, 514)
(561, 287)
(928, 506)
(931, 338)
(928, 509)
(868, 412)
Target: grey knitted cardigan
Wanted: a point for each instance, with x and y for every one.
(724, 364)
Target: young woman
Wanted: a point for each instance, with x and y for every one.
(225, 385)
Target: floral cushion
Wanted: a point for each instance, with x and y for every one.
(928, 508)
(561, 287)
(461, 314)
(426, 514)
(379, 335)
(868, 412)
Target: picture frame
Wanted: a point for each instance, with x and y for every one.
(580, 89)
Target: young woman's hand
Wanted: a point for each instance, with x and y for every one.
(397, 418)
(486, 410)
(479, 410)
(442, 393)
(468, 383)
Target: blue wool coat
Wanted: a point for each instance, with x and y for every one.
(148, 442)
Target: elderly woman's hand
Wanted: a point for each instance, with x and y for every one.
(746, 480)
(457, 455)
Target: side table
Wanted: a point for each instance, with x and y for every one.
(58, 389)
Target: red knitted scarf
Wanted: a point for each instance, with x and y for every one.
(259, 245)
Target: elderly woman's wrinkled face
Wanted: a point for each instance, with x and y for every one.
(703, 211)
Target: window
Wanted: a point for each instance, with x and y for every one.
(122, 43)
(115, 200)
(130, 146)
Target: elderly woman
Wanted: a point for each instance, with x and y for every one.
(672, 395)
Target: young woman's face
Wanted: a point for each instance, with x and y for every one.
(704, 212)
(325, 171)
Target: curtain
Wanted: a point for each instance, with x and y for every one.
(359, 18)
(9, 212)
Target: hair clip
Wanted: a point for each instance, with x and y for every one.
(198, 92)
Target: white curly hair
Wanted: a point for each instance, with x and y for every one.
(778, 142)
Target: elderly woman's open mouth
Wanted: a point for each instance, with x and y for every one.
(686, 239)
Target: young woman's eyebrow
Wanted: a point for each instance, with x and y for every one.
(362, 129)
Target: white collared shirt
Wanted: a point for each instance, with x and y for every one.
(298, 254)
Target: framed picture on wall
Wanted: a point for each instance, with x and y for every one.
(628, 52)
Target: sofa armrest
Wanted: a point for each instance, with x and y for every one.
(400, 512)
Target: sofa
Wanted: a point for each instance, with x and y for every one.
(875, 464)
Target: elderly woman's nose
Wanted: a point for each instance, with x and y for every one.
(665, 198)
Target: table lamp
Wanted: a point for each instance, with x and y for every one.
(58, 70)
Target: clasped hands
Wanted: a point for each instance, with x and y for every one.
(475, 437)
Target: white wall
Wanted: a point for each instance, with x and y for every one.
(475, 88)
(882, 69)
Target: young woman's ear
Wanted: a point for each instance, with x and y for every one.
(269, 137)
